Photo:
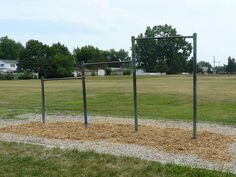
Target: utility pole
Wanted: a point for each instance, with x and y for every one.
(214, 65)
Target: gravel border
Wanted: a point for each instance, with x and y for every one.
(126, 149)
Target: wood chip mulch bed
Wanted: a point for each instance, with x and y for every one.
(209, 146)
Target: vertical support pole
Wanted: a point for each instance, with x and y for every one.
(134, 85)
(84, 95)
(194, 85)
(43, 99)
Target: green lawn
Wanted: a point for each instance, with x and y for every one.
(28, 160)
(166, 97)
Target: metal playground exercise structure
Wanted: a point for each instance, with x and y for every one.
(133, 62)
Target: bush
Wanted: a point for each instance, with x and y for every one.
(127, 72)
(26, 75)
(2, 76)
(93, 73)
(7, 76)
(107, 71)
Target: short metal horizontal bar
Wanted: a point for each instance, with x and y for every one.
(66, 78)
(109, 62)
(166, 37)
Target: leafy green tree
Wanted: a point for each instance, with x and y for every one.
(61, 66)
(220, 69)
(113, 55)
(108, 71)
(162, 66)
(34, 57)
(54, 61)
(174, 52)
(59, 48)
(9, 49)
(61, 62)
(231, 67)
(88, 54)
(189, 67)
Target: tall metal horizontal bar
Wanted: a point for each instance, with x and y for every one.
(166, 37)
(108, 62)
(66, 78)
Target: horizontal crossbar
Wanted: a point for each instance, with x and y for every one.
(66, 78)
(108, 62)
(166, 37)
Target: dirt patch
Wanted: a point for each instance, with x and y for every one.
(210, 146)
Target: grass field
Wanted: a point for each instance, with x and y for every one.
(166, 97)
(27, 160)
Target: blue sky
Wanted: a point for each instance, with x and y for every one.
(110, 23)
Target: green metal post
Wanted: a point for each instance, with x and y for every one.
(43, 99)
(84, 95)
(134, 85)
(194, 85)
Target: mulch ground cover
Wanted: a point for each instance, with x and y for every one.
(209, 146)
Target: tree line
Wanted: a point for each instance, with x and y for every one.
(164, 56)
(229, 68)
(55, 60)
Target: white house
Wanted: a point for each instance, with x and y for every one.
(8, 65)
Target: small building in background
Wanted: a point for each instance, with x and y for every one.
(8, 65)
(117, 71)
(140, 72)
(101, 72)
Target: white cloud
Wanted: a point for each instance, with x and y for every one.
(97, 14)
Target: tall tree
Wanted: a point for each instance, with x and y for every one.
(88, 54)
(231, 67)
(54, 61)
(93, 54)
(113, 55)
(9, 49)
(174, 52)
(162, 66)
(189, 66)
(61, 62)
(59, 48)
(34, 57)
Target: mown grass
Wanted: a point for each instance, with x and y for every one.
(30, 160)
(166, 97)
